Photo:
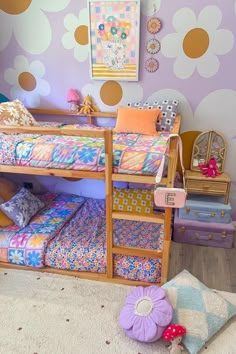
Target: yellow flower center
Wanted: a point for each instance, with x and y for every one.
(27, 81)
(81, 35)
(111, 93)
(14, 7)
(196, 43)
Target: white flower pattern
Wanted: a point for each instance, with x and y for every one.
(27, 81)
(77, 36)
(34, 36)
(197, 42)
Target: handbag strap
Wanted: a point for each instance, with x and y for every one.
(162, 164)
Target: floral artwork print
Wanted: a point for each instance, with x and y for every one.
(114, 34)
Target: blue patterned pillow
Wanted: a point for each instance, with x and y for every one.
(169, 109)
(201, 310)
(22, 207)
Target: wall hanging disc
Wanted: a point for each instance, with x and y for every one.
(154, 25)
(153, 46)
(151, 65)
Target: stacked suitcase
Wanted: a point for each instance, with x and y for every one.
(205, 220)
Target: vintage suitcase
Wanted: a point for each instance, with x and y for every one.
(206, 208)
(203, 233)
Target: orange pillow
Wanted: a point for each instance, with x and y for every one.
(137, 121)
(5, 220)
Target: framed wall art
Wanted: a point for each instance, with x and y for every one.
(114, 29)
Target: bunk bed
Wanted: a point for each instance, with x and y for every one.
(108, 173)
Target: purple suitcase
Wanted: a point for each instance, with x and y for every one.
(203, 233)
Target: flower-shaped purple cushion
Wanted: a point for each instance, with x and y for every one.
(146, 313)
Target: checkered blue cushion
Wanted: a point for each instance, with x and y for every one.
(169, 109)
(201, 310)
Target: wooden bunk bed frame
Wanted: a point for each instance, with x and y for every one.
(109, 177)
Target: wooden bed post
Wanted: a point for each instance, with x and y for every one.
(172, 164)
(109, 200)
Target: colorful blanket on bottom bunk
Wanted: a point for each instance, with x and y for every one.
(69, 233)
(132, 153)
(26, 246)
(81, 244)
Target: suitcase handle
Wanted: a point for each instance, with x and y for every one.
(203, 214)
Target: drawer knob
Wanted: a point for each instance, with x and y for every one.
(210, 237)
(222, 213)
(206, 186)
(183, 229)
(213, 214)
(188, 210)
(196, 212)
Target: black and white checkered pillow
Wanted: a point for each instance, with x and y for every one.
(169, 109)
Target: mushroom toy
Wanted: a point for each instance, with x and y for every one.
(174, 334)
(73, 98)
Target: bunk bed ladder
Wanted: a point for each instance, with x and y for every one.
(172, 164)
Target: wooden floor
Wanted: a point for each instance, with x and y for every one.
(215, 267)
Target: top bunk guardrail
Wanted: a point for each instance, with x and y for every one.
(106, 134)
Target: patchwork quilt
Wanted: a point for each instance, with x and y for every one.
(132, 153)
(26, 246)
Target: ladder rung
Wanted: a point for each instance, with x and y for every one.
(156, 218)
(130, 251)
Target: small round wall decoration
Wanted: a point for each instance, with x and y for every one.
(151, 65)
(153, 25)
(153, 46)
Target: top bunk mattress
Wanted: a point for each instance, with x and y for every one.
(132, 153)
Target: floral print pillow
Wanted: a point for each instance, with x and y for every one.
(22, 207)
(169, 110)
(15, 113)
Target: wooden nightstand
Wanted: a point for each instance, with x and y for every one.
(196, 183)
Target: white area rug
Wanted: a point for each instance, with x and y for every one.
(51, 314)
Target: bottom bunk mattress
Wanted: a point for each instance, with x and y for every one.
(81, 244)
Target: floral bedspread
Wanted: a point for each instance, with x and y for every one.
(26, 246)
(81, 245)
(132, 153)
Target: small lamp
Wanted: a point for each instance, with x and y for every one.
(73, 98)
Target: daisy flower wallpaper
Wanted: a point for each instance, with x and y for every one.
(187, 52)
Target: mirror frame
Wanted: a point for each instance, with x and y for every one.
(221, 152)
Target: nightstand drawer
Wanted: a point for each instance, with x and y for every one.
(206, 186)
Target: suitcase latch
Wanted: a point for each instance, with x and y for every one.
(196, 212)
(213, 214)
(188, 210)
(222, 213)
(223, 234)
(183, 229)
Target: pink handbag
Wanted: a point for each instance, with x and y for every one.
(170, 197)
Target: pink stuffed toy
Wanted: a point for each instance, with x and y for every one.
(209, 169)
